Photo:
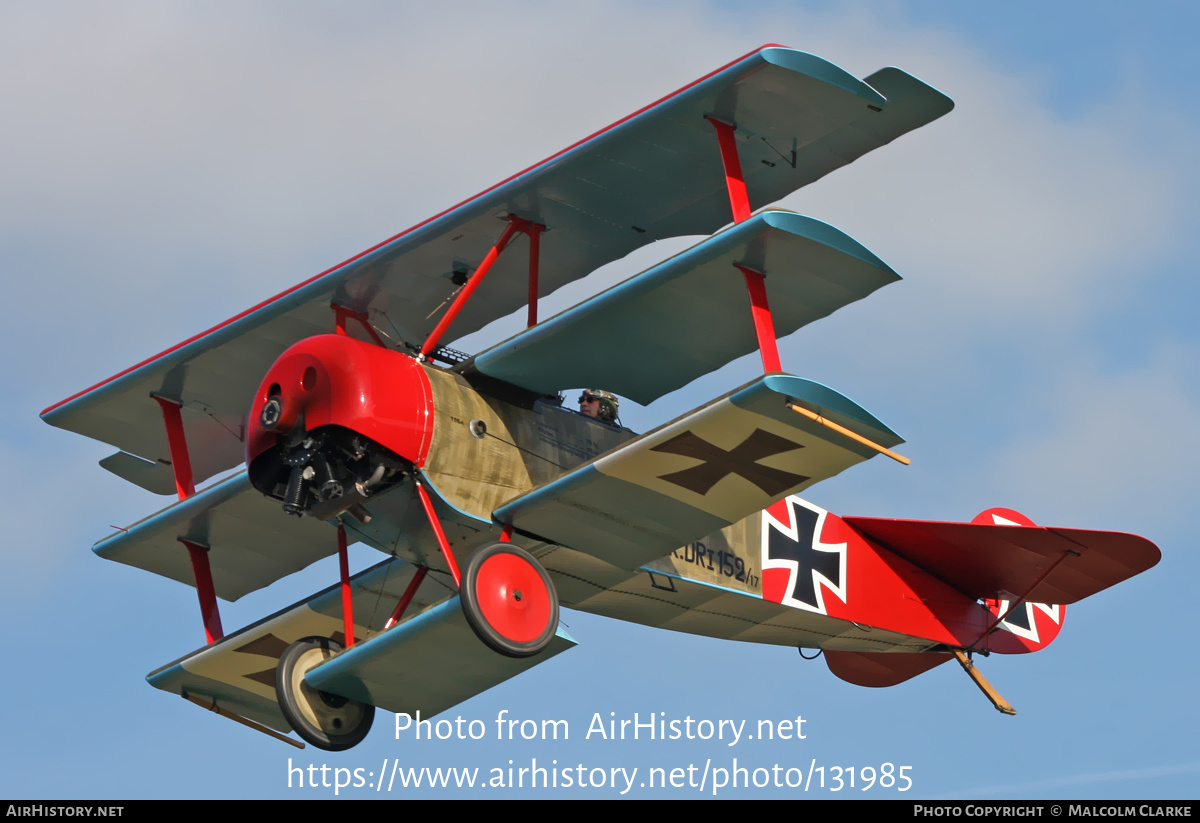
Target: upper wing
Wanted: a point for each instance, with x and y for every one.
(665, 327)
(654, 174)
(699, 473)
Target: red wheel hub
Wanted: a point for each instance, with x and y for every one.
(512, 597)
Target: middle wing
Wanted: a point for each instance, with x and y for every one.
(702, 472)
(689, 315)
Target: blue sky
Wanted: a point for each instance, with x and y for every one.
(168, 165)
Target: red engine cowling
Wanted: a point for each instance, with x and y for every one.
(336, 420)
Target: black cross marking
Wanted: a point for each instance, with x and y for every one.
(809, 560)
(271, 646)
(742, 460)
(1021, 616)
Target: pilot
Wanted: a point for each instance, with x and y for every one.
(599, 404)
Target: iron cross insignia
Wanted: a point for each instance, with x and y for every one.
(741, 460)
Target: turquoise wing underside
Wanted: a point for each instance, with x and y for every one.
(250, 545)
(690, 315)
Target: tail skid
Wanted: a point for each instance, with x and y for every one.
(989, 691)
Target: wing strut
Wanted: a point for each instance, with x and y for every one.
(739, 198)
(342, 314)
(760, 308)
(347, 597)
(443, 543)
(515, 224)
(181, 461)
(534, 230)
(185, 487)
(739, 203)
(205, 590)
(764, 325)
(406, 599)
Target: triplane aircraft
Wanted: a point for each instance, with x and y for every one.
(496, 503)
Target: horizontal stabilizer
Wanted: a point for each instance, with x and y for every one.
(251, 542)
(690, 315)
(1041, 565)
(699, 473)
(879, 669)
(238, 672)
(655, 174)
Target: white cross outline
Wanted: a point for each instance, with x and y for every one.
(791, 530)
(1054, 613)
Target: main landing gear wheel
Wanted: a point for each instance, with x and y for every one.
(509, 600)
(328, 721)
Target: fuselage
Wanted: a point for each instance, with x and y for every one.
(340, 426)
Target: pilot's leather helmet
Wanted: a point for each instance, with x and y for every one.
(609, 404)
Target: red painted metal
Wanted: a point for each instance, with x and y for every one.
(409, 593)
(1046, 621)
(879, 589)
(506, 534)
(1023, 599)
(347, 597)
(739, 198)
(443, 543)
(181, 462)
(335, 380)
(342, 313)
(878, 669)
(982, 559)
(512, 597)
(469, 289)
(764, 325)
(535, 251)
(205, 591)
(392, 239)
